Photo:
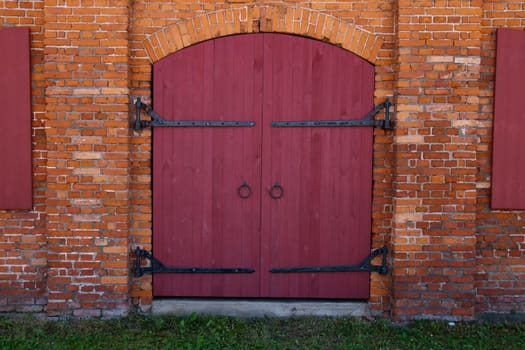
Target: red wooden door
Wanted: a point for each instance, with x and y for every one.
(321, 174)
(199, 218)
(324, 214)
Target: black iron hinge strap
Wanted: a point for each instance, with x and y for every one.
(367, 120)
(156, 266)
(157, 120)
(365, 265)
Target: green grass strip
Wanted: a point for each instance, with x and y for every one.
(199, 332)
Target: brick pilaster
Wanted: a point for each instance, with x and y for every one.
(87, 102)
(437, 112)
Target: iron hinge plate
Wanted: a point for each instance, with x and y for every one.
(364, 265)
(367, 120)
(158, 121)
(156, 266)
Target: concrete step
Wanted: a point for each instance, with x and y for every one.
(259, 308)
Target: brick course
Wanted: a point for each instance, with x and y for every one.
(451, 256)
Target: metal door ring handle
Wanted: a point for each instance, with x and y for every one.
(276, 191)
(244, 191)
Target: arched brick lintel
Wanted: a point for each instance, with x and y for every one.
(255, 19)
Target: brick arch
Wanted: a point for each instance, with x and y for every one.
(254, 19)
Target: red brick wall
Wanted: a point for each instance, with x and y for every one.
(451, 256)
(500, 279)
(23, 243)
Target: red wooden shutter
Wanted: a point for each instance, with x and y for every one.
(15, 120)
(508, 160)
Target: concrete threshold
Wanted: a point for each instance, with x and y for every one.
(259, 308)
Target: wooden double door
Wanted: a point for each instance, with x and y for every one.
(258, 194)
